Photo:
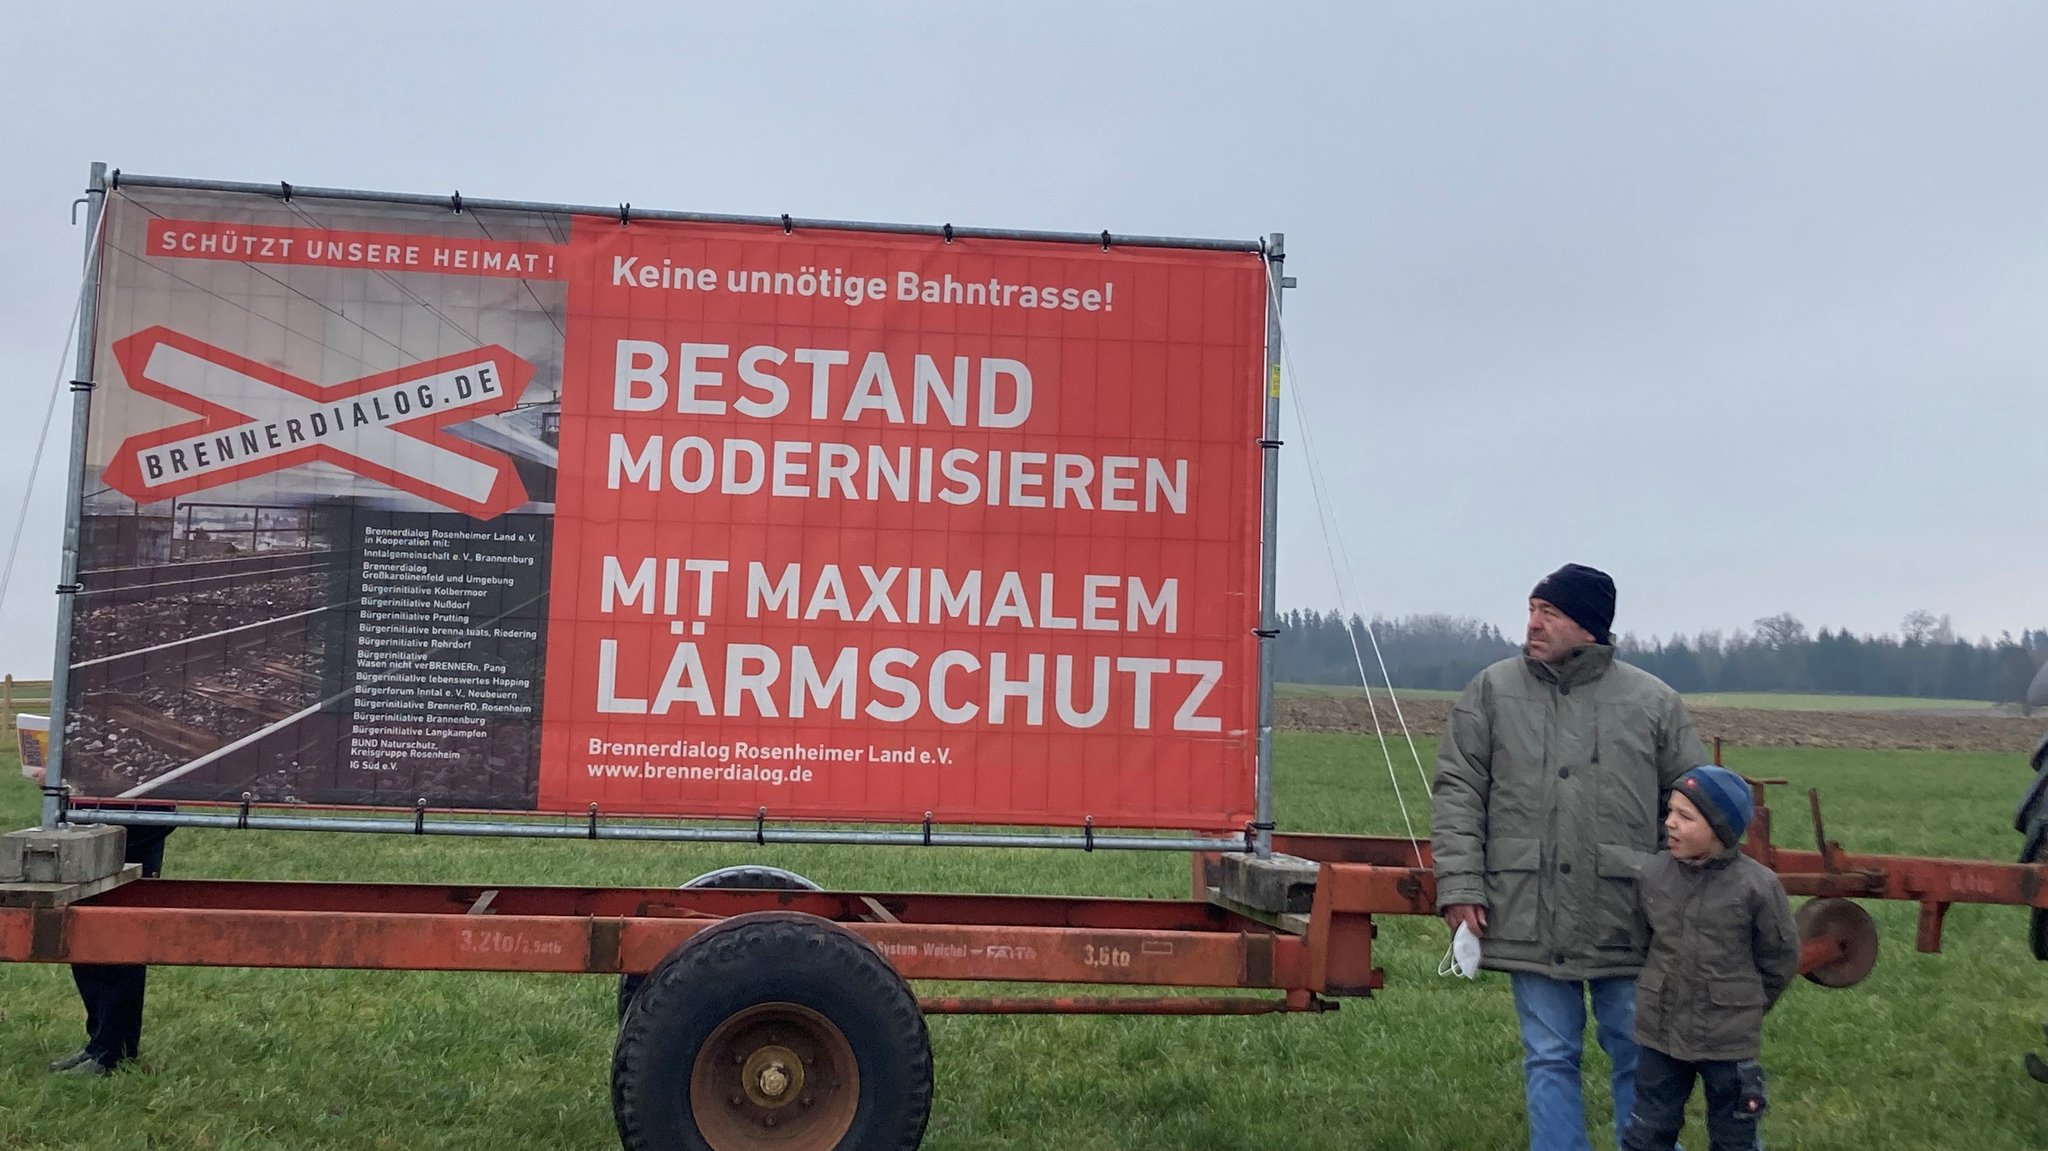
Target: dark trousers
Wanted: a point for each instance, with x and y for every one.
(112, 993)
(1735, 1102)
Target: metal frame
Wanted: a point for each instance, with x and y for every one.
(1269, 545)
(627, 213)
(57, 806)
(74, 494)
(1105, 942)
(702, 830)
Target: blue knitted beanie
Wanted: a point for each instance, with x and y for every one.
(1722, 796)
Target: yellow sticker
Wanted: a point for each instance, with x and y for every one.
(1273, 383)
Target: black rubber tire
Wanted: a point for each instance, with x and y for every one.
(745, 876)
(761, 958)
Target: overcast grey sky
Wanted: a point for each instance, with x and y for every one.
(1745, 302)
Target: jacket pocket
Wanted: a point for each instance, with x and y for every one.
(1617, 915)
(1513, 888)
(1650, 1002)
(1736, 1021)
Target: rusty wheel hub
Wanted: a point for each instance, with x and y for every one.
(1842, 936)
(775, 1075)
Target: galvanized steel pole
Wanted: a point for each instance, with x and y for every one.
(1269, 522)
(658, 833)
(74, 498)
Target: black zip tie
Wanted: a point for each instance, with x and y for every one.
(927, 829)
(1088, 833)
(948, 232)
(593, 821)
(625, 214)
(83, 385)
(70, 588)
(285, 189)
(787, 227)
(761, 827)
(242, 818)
(1251, 836)
(1105, 239)
(1272, 443)
(419, 817)
(1266, 632)
(62, 794)
(113, 180)
(455, 202)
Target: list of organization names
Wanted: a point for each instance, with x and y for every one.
(447, 637)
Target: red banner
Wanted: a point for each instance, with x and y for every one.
(874, 526)
(702, 520)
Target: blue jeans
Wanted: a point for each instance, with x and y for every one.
(1553, 1018)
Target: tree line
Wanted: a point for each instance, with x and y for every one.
(1925, 658)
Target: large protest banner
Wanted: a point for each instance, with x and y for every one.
(536, 510)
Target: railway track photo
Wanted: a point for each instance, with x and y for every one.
(212, 668)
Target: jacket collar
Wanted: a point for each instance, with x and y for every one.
(1715, 862)
(1582, 666)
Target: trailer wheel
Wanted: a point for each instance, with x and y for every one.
(1852, 931)
(753, 877)
(773, 1030)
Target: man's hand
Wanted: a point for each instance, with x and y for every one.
(1471, 915)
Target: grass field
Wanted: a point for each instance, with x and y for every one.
(1764, 700)
(1923, 1055)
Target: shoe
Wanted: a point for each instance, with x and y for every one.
(71, 1060)
(87, 1068)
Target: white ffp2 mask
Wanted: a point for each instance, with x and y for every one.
(1462, 958)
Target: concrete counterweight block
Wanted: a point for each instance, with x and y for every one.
(79, 854)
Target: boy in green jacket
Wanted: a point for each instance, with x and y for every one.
(1723, 947)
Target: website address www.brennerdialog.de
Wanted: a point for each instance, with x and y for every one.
(700, 773)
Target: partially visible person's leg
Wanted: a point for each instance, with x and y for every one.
(1731, 1124)
(120, 1035)
(113, 993)
(1614, 1015)
(1661, 1088)
(93, 992)
(1552, 1013)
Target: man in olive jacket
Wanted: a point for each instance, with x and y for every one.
(1545, 805)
